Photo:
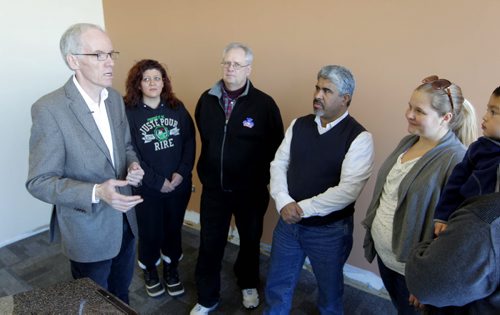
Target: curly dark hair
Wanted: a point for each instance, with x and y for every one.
(133, 94)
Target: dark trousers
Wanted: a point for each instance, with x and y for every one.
(395, 285)
(114, 275)
(217, 207)
(160, 218)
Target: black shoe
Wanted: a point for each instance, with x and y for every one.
(153, 284)
(171, 277)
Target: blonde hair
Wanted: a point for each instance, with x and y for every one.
(463, 122)
(467, 132)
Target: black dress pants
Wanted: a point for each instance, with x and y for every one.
(217, 208)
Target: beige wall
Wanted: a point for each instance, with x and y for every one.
(389, 45)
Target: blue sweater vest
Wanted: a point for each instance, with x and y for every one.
(316, 162)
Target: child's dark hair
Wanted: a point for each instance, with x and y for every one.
(496, 92)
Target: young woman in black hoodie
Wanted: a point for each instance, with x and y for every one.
(163, 136)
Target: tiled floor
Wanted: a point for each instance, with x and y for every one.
(34, 263)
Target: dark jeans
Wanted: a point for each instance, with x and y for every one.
(217, 207)
(395, 285)
(160, 219)
(327, 246)
(114, 275)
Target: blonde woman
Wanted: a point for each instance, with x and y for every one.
(441, 124)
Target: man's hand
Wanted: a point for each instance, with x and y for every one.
(134, 174)
(291, 213)
(107, 192)
(439, 227)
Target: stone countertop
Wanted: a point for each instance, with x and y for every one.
(82, 296)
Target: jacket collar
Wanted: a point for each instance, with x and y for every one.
(83, 114)
(216, 89)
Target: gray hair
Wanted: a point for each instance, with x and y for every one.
(246, 49)
(341, 77)
(70, 40)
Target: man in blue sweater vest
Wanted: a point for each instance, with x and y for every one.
(317, 174)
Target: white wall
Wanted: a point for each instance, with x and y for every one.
(31, 66)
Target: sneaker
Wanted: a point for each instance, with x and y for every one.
(199, 309)
(153, 284)
(250, 298)
(171, 277)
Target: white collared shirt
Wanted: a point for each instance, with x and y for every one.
(100, 115)
(356, 169)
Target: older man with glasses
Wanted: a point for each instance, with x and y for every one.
(82, 161)
(240, 129)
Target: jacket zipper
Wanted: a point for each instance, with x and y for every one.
(222, 157)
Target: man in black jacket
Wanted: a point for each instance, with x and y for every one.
(240, 129)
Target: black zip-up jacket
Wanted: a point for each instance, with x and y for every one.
(236, 155)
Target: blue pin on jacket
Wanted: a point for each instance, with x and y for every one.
(248, 122)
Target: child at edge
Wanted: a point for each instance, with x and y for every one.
(477, 174)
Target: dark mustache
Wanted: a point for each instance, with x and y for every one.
(317, 101)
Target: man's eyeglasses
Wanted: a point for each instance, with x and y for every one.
(236, 66)
(153, 79)
(101, 56)
(440, 84)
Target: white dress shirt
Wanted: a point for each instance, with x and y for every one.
(356, 169)
(100, 115)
